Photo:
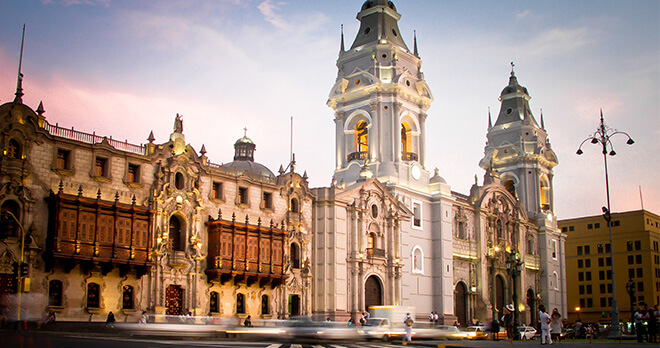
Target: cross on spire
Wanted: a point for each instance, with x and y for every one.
(245, 132)
(512, 65)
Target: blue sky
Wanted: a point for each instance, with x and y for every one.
(124, 68)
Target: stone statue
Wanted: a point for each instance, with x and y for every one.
(178, 124)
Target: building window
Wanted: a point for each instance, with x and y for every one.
(581, 289)
(8, 225)
(417, 260)
(371, 240)
(640, 273)
(243, 195)
(608, 247)
(216, 190)
(608, 261)
(603, 302)
(179, 181)
(590, 226)
(583, 304)
(631, 273)
(597, 225)
(590, 303)
(176, 234)
(587, 250)
(587, 275)
(63, 159)
(55, 293)
(101, 167)
(629, 245)
(603, 288)
(14, 149)
(640, 286)
(268, 200)
(133, 173)
(417, 214)
(93, 295)
(638, 259)
(294, 205)
(580, 263)
(609, 288)
(609, 274)
(265, 305)
(601, 275)
(587, 263)
(601, 262)
(579, 250)
(571, 228)
(295, 255)
(361, 137)
(638, 245)
(554, 249)
(214, 302)
(240, 304)
(581, 276)
(601, 248)
(127, 297)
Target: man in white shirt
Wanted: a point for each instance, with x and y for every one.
(407, 324)
(544, 317)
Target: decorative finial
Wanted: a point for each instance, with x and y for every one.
(19, 81)
(415, 51)
(490, 122)
(202, 151)
(245, 132)
(341, 48)
(151, 137)
(542, 122)
(512, 72)
(40, 108)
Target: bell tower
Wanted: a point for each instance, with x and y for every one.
(380, 101)
(519, 149)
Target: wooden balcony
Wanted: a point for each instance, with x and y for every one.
(409, 156)
(373, 252)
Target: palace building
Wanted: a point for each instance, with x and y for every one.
(92, 225)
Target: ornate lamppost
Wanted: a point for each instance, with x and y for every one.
(631, 288)
(492, 254)
(602, 136)
(514, 266)
(577, 310)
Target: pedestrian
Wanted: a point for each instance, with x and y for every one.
(110, 320)
(362, 321)
(50, 318)
(367, 315)
(350, 322)
(248, 321)
(507, 321)
(555, 325)
(143, 318)
(640, 317)
(408, 323)
(578, 328)
(654, 315)
(431, 317)
(545, 326)
(436, 318)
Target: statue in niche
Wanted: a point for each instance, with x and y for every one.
(178, 124)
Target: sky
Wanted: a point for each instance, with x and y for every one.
(124, 68)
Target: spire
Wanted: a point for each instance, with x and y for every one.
(415, 51)
(19, 82)
(490, 122)
(341, 48)
(542, 122)
(151, 137)
(513, 80)
(202, 151)
(40, 108)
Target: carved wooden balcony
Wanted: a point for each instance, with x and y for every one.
(409, 156)
(362, 155)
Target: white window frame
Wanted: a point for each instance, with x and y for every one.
(420, 268)
(556, 286)
(421, 214)
(553, 249)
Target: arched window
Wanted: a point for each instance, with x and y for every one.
(417, 260)
(179, 181)
(55, 293)
(265, 305)
(544, 194)
(511, 187)
(8, 226)
(93, 295)
(14, 149)
(176, 234)
(361, 137)
(406, 141)
(556, 280)
(127, 297)
(240, 304)
(371, 240)
(214, 302)
(295, 255)
(294, 205)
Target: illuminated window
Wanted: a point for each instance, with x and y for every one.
(545, 195)
(361, 137)
(511, 187)
(371, 239)
(127, 297)
(240, 304)
(214, 302)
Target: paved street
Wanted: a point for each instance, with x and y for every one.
(44, 339)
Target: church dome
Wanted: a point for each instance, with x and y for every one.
(513, 87)
(371, 3)
(244, 158)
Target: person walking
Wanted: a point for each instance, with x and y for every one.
(640, 317)
(408, 323)
(110, 320)
(143, 318)
(545, 325)
(507, 321)
(555, 325)
(654, 315)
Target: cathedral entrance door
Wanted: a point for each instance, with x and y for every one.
(500, 298)
(174, 300)
(373, 292)
(294, 305)
(461, 304)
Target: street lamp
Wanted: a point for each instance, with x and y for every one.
(602, 136)
(514, 266)
(577, 310)
(492, 254)
(631, 288)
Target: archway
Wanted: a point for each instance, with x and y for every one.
(531, 303)
(461, 303)
(500, 296)
(176, 234)
(294, 305)
(373, 292)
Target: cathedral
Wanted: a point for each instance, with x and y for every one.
(92, 225)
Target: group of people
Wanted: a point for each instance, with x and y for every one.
(651, 317)
(433, 317)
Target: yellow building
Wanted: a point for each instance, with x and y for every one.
(636, 239)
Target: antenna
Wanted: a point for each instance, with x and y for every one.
(19, 81)
(641, 199)
(291, 152)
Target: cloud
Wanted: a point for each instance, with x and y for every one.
(523, 15)
(560, 41)
(104, 3)
(267, 9)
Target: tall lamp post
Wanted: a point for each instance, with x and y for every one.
(492, 253)
(21, 268)
(602, 136)
(577, 310)
(631, 288)
(514, 266)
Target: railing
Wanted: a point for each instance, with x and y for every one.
(92, 138)
(409, 156)
(358, 155)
